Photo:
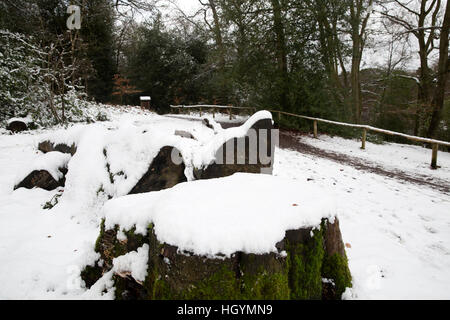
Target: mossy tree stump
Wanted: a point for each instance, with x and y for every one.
(310, 264)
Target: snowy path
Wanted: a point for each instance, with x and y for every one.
(406, 163)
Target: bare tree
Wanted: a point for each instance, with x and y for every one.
(421, 21)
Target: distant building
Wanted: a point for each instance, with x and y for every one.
(145, 102)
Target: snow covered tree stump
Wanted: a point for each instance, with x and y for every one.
(263, 245)
(47, 172)
(252, 153)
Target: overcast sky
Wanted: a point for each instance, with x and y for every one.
(188, 6)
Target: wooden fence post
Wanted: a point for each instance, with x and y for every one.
(214, 113)
(434, 156)
(279, 117)
(315, 129)
(364, 137)
(229, 111)
(200, 112)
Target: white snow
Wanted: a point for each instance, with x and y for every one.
(50, 162)
(25, 120)
(391, 156)
(243, 212)
(134, 262)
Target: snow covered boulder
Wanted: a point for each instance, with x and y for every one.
(20, 124)
(47, 172)
(163, 172)
(17, 126)
(272, 239)
(48, 146)
(249, 148)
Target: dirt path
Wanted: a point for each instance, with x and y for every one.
(290, 140)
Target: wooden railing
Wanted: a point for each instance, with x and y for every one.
(214, 108)
(365, 128)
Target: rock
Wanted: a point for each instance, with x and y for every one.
(184, 134)
(248, 160)
(206, 122)
(17, 126)
(163, 173)
(308, 265)
(42, 179)
(48, 146)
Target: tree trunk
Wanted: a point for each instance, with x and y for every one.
(358, 24)
(356, 88)
(437, 103)
(281, 55)
(218, 33)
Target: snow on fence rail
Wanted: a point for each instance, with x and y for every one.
(214, 108)
(365, 128)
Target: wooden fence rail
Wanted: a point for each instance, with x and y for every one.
(214, 108)
(365, 128)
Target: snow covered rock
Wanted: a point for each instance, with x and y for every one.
(17, 126)
(41, 179)
(47, 172)
(184, 134)
(163, 172)
(273, 239)
(48, 146)
(251, 153)
(20, 124)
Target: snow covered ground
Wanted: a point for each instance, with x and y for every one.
(399, 233)
(392, 156)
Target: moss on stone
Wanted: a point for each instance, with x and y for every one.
(335, 267)
(91, 274)
(265, 286)
(261, 277)
(305, 268)
(222, 285)
(100, 236)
